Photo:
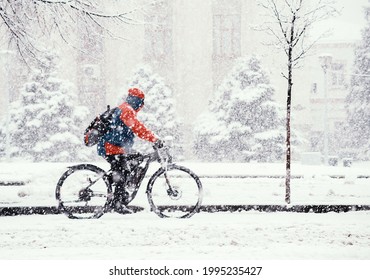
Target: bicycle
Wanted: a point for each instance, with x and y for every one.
(84, 191)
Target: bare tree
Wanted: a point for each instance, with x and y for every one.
(290, 26)
(26, 23)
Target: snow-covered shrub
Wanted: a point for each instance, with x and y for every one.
(2, 138)
(242, 121)
(45, 120)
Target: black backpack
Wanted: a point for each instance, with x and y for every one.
(98, 127)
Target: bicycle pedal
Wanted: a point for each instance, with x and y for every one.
(123, 210)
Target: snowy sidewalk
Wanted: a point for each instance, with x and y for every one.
(24, 172)
(223, 183)
(277, 170)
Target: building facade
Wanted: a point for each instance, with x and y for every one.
(327, 95)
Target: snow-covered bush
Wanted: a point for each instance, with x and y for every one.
(159, 112)
(2, 139)
(242, 121)
(45, 120)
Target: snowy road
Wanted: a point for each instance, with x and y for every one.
(246, 235)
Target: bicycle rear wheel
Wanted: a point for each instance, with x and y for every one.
(175, 192)
(84, 192)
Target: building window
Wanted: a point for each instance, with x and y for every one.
(158, 33)
(337, 75)
(313, 88)
(226, 35)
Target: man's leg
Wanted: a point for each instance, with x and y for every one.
(118, 180)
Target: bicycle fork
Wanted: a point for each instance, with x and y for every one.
(172, 192)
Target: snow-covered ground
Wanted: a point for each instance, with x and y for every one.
(242, 235)
(248, 235)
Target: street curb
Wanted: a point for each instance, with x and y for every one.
(13, 183)
(50, 210)
(286, 208)
(43, 210)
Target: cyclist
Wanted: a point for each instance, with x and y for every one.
(119, 139)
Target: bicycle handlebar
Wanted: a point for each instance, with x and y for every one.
(160, 154)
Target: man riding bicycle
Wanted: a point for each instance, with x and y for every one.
(119, 139)
(84, 191)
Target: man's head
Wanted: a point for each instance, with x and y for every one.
(135, 98)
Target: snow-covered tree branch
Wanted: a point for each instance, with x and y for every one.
(291, 22)
(27, 23)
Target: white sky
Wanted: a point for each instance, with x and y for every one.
(349, 24)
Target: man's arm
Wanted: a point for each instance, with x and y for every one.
(129, 118)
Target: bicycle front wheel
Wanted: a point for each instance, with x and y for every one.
(174, 192)
(84, 192)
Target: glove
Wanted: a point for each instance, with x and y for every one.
(158, 144)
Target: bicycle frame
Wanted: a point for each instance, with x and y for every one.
(161, 155)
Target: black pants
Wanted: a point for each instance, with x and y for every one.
(119, 175)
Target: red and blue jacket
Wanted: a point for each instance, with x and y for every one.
(120, 138)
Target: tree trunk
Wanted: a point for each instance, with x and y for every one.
(289, 102)
(288, 149)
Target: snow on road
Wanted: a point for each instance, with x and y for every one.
(246, 235)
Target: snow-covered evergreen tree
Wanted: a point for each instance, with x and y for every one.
(2, 139)
(45, 121)
(242, 121)
(358, 100)
(159, 112)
